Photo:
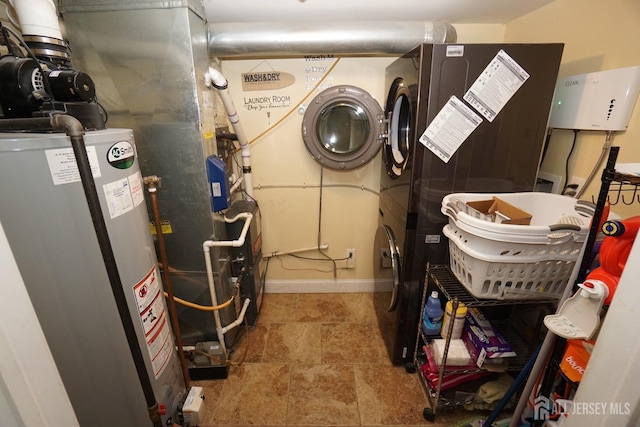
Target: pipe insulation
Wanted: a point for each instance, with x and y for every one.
(242, 39)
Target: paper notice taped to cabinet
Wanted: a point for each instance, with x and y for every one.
(496, 85)
(448, 130)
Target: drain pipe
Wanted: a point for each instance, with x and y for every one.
(220, 331)
(215, 78)
(74, 130)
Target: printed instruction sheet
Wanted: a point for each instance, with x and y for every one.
(496, 85)
(448, 130)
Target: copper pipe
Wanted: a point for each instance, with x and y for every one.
(153, 183)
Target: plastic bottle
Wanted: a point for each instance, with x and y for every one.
(458, 323)
(432, 316)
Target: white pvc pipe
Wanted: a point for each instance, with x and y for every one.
(235, 185)
(240, 318)
(37, 17)
(216, 78)
(220, 331)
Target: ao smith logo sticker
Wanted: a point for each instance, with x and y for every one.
(121, 155)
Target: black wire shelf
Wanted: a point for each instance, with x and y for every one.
(451, 287)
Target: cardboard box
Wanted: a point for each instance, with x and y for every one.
(483, 341)
(500, 211)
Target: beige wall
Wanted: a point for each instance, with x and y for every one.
(286, 179)
(598, 36)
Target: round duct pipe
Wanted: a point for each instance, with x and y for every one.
(246, 39)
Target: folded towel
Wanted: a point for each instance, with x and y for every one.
(458, 355)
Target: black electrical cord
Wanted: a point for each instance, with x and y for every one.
(566, 165)
(319, 259)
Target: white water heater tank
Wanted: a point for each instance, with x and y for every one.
(49, 228)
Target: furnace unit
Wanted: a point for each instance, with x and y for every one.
(246, 260)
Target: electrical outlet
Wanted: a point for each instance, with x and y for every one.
(351, 258)
(574, 185)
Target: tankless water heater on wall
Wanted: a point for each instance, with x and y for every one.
(602, 100)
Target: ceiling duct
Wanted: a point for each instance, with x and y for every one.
(284, 39)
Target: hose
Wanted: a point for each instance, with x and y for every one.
(201, 307)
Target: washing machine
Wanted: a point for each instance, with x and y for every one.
(499, 155)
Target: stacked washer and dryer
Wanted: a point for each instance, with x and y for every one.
(502, 155)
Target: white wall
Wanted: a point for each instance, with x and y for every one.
(31, 391)
(613, 369)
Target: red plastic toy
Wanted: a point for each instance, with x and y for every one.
(614, 252)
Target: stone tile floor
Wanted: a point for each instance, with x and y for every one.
(316, 360)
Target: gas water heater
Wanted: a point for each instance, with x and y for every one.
(49, 228)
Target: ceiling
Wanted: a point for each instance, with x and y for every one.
(452, 11)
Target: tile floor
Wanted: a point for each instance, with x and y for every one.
(316, 360)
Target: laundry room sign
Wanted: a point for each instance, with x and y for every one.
(266, 80)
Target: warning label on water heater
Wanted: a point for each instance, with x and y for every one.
(153, 315)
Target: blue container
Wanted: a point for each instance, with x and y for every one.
(218, 188)
(432, 315)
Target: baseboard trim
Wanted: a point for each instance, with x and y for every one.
(318, 286)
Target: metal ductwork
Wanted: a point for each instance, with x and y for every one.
(243, 39)
(148, 59)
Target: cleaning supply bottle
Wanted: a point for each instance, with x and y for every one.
(458, 320)
(432, 315)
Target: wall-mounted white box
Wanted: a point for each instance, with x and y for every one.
(602, 100)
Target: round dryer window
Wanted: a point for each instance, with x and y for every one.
(397, 150)
(342, 127)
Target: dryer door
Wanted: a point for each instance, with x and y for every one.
(397, 148)
(386, 267)
(343, 127)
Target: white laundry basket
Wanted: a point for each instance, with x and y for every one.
(548, 212)
(512, 275)
(507, 261)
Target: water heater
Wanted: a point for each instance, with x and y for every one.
(49, 228)
(602, 100)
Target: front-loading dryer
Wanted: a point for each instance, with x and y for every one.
(500, 155)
